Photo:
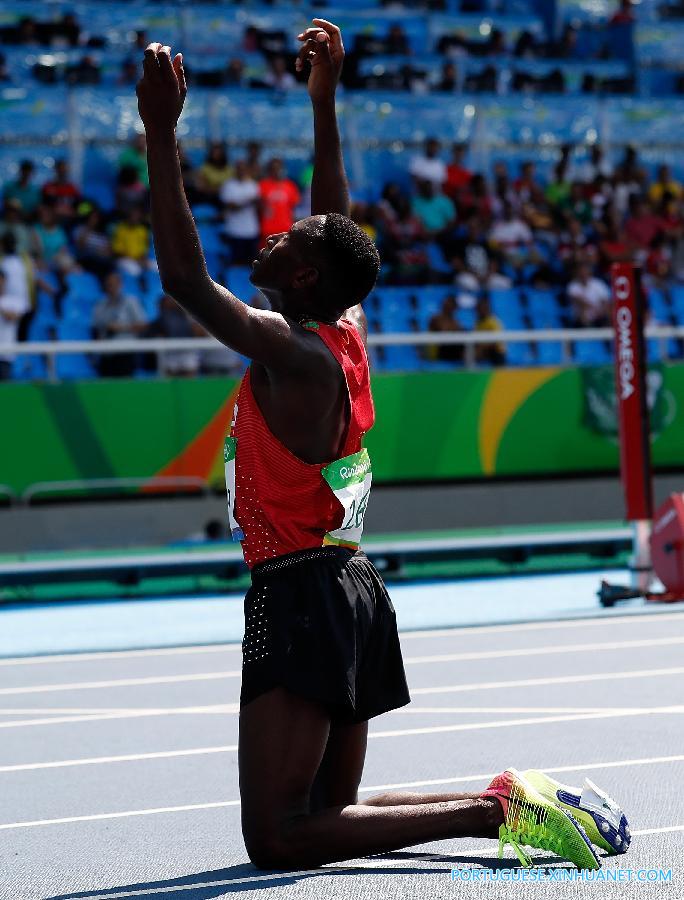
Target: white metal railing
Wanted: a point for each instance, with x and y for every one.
(468, 339)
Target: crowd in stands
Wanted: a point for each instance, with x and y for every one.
(437, 67)
(473, 232)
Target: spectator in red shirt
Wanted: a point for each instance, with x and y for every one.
(62, 192)
(279, 197)
(642, 225)
(458, 176)
(624, 15)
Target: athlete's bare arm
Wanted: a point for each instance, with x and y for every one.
(264, 336)
(323, 49)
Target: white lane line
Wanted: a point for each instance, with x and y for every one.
(511, 723)
(127, 714)
(667, 829)
(118, 710)
(119, 682)
(223, 708)
(557, 679)
(415, 692)
(49, 658)
(394, 733)
(556, 770)
(544, 650)
(120, 815)
(635, 618)
(129, 757)
(453, 657)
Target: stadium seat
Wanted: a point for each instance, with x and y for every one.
(591, 353)
(73, 365)
(550, 353)
(519, 353)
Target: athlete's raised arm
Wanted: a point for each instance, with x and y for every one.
(323, 49)
(267, 337)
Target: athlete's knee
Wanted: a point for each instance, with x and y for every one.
(266, 846)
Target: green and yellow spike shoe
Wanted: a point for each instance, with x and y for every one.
(532, 820)
(603, 820)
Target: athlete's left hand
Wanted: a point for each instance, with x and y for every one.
(323, 49)
(162, 89)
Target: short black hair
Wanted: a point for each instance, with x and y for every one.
(349, 262)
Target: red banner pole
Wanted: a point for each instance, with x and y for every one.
(632, 409)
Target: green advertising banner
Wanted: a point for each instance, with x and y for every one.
(429, 425)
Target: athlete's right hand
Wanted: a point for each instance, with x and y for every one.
(323, 49)
(162, 89)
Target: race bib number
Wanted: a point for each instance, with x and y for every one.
(350, 481)
(229, 450)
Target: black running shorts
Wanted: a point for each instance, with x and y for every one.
(320, 623)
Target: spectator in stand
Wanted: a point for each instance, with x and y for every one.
(596, 165)
(474, 199)
(525, 185)
(469, 256)
(624, 15)
(131, 243)
(404, 245)
(174, 322)
(448, 80)
(574, 245)
(658, 265)
(429, 166)
(62, 192)
(669, 212)
(641, 226)
(590, 299)
(134, 156)
(117, 316)
(445, 321)
(18, 271)
(49, 240)
(495, 280)
(130, 192)
(85, 71)
(214, 171)
(279, 199)
(458, 175)
(397, 42)
(93, 247)
(253, 160)
(492, 354)
(241, 199)
(12, 310)
(613, 246)
(278, 77)
(364, 214)
(436, 212)
(664, 184)
(5, 76)
(129, 73)
(235, 73)
(578, 205)
(511, 236)
(22, 190)
(12, 223)
(390, 203)
(558, 190)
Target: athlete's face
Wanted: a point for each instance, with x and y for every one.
(282, 268)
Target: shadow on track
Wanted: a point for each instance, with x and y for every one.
(245, 877)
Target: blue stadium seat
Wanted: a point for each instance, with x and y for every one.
(403, 358)
(519, 353)
(238, 283)
(591, 353)
(550, 353)
(73, 365)
(658, 305)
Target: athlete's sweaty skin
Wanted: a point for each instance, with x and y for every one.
(299, 773)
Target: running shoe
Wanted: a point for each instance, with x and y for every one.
(532, 820)
(604, 822)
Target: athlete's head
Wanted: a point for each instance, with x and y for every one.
(320, 267)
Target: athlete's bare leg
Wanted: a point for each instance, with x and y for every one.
(283, 740)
